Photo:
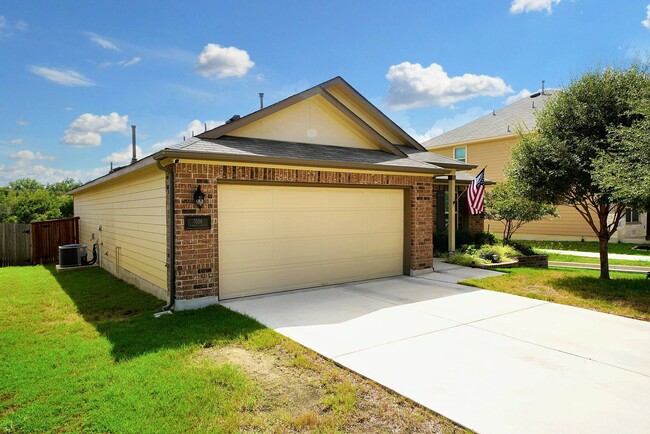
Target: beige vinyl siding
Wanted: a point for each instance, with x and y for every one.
(569, 226)
(377, 124)
(314, 121)
(131, 210)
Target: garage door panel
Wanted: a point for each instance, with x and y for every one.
(247, 283)
(386, 244)
(348, 247)
(345, 222)
(239, 197)
(298, 251)
(240, 256)
(241, 226)
(381, 199)
(349, 198)
(291, 224)
(298, 277)
(290, 198)
(310, 236)
(382, 222)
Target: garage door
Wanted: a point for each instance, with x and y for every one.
(279, 238)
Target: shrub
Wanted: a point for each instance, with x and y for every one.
(522, 248)
(465, 259)
(463, 239)
(496, 253)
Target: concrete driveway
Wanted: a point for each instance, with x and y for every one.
(490, 361)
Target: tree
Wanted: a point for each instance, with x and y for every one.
(576, 129)
(506, 204)
(624, 172)
(27, 200)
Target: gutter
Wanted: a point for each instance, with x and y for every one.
(194, 155)
(171, 271)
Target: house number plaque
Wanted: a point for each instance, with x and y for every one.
(197, 222)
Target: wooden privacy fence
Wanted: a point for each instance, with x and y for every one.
(15, 244)
(48, 235)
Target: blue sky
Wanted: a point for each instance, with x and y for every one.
(75, 75)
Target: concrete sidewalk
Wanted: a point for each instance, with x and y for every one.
(597, 255)
(493, 362)
(587, 266)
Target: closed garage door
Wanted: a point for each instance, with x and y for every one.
(279, 238)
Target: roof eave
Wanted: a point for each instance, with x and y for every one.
(140, 164)
(177, 153)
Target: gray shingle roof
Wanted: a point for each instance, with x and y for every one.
(502, 122)
(251, 147)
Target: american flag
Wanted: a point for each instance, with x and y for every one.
(476, 193)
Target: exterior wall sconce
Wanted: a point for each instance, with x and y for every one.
(199, 197)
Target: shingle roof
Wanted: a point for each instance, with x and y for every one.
(263, 148)
(502, 122)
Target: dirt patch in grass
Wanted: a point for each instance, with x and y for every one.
(303, 392)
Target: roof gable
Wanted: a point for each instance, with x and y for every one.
(341, 117)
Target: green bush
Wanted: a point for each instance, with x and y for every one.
(465, 260)
(499, 253)
(463, 239)
(522, 248)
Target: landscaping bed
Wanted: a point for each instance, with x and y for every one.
(82, 352)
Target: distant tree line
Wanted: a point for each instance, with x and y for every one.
(27, 200)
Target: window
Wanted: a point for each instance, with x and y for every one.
(460, 154)
(631, 216)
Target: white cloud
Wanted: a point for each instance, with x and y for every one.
(45, 174)
(123, 157)
(523, 93)
(7, 29)
(221, 62)
(122, 63)
(412, 86)
(22, 122)
(522, 6)
(30, 155)
(193, 128)
(449, 123)
(102, 42)
(646, 22)
(86, 130)
(17, 141)
(64, 77)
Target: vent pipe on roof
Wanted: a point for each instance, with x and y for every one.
(543, 81)
(494, 112)
(261, 100)
(134, 158)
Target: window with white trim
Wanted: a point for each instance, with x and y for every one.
(631, 216)
(460, 154)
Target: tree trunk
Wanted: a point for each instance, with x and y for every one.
(603, 240)
(604, 259)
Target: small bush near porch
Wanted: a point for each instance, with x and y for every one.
(82, 352)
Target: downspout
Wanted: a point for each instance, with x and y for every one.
(171, 272)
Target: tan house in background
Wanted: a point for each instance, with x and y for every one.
(488, 141)
(317, 189)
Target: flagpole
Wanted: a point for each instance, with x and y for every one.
(467, 188)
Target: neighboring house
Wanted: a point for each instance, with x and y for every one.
(320, 188)
(488, 141)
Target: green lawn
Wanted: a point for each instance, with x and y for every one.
(82, 352)
(626, 294)
(587, 246)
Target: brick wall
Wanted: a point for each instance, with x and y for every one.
(197, 263)
(475, 221)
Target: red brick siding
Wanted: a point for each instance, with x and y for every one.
(197, 263)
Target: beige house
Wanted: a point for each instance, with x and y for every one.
(317, 189)
(488, 141)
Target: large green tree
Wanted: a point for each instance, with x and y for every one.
(27, 200)
(506, 203)
(576, 131)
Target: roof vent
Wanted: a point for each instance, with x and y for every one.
(535, 95)
(494, 112)
(234, 118)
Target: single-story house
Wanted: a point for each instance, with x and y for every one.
(319, 188)
(488, 141)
